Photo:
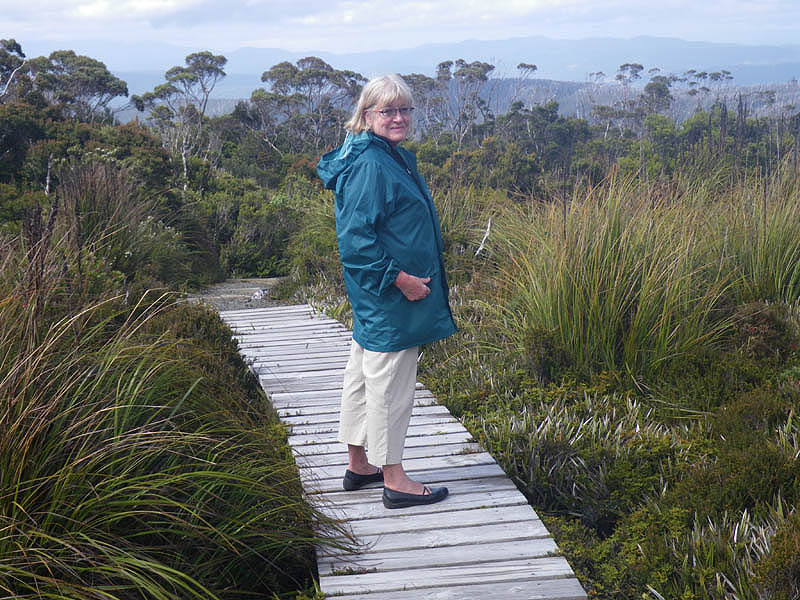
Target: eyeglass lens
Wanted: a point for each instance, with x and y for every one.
(392, 112)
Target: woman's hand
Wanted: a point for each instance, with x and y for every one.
(413, 287)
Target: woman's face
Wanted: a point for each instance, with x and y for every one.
(388, 122)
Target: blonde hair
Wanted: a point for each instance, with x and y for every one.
(379, 91)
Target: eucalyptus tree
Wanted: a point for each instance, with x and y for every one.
(197, 79)
(656, 97)
(435, 115)
(177, 108)
(467, 95)
(307, 103)
(80, 86)
(427, 104)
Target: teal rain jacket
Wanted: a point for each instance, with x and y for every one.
(386, 222)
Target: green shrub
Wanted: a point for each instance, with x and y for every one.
(764, 332)
(739, 478)
(622, 565)
(258, 244)
(745, 421)
(778, 575)
(314, 251)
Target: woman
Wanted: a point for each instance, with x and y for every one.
(390, 246)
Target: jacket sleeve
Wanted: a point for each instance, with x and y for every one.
(365, 203)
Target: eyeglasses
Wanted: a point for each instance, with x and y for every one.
(391, 113)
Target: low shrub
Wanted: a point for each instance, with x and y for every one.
(597, 460)
(737, 479)
(778, 575)
(764, 332)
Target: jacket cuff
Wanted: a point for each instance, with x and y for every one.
(389, 277)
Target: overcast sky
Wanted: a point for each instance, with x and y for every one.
(356, 25)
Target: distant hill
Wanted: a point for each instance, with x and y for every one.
(565, 60)
(560, 60)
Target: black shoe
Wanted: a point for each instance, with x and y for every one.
(393, 499)
(354, 481)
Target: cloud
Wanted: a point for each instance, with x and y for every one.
(110, 10)
(365, 25)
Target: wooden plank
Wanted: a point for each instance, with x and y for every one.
(454, 537)
(299, 347)
(296, 326)
(286, 347)
(323, 410)
(462, 491)
(328, 398)
(289, 365)
(422, 430)
(271, 378)
(413, 464)
(274, 376)
(303, 385)
(289, 330)
(548, 589)
(233, 317)
(262, 326)
(339, 340)
(529, 569)
(335, 446)
(269, 341)
(412, 522)
(340, 458)
(327, 422)
(437, 557)
(302, 399)
(332, 425)
(311, 355)
(428, 477)
(459, 500)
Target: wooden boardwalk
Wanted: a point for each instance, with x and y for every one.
(482, 542)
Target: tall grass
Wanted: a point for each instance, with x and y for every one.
(128, 470)
(138, 456)
(759, 230)
(619, 283)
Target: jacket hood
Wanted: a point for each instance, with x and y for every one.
(334, 162)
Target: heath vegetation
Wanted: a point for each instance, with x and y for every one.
(626, 287)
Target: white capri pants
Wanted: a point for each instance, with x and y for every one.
(377, 398)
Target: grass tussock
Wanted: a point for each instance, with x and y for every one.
(138, 457)
(612, 281)
(129, 463)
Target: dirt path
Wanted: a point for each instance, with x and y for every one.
(235, 294)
